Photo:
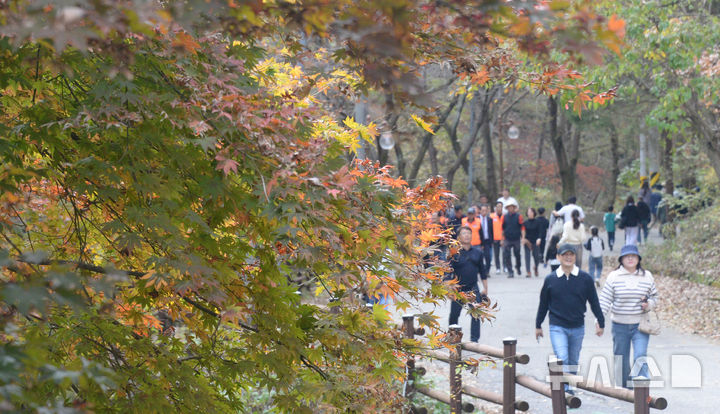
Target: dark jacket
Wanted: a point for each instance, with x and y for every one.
(532, 230)
(466, 265)
(566, 299)
(630, 215)
(489, 240)
(512, 226)
(643, 211)
(455, 224)
(543, 227)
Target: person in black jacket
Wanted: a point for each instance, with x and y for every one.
(544, 226)
(532, 241)
(486, 235)
(455, 221)
(645, 216)
(565, 295)
(467, 263)
(514, 237)
(630, 221)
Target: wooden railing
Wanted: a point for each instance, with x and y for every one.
(640, 396)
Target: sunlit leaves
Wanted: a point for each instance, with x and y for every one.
(422, 124)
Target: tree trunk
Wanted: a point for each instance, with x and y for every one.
(704, 123)
(426, 141)
(615, 172)
(433, 160)
(490, 175)
(457, 149)
(462, 156)
(667, 162)
(558, 129)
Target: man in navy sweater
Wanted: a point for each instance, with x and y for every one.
(466, 264)
(565, 294)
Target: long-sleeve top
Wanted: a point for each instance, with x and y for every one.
(571, 235)
(566, 297)
(466, 265)
(623, 293)
(543, 227)
(532, 230)
(630, 217)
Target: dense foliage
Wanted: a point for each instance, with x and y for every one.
(169, 175)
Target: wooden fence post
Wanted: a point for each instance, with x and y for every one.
(557, 386)
(641, 388)
(509, 368)
(455, 368)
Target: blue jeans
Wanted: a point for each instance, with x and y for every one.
(611, 239)
(623, 335)
(595, 267)
(566, 343)
(643, 231)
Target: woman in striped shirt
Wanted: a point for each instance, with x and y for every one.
(629, 292)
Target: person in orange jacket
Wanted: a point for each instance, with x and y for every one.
(497, 219)
(472, 221)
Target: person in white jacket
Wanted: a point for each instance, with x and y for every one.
(628, 293)
(575, 235)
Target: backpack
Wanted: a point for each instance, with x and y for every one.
(557, 227)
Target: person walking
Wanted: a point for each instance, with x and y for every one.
(630, 220)
(655, 199)
(609, 220)
(645, 192)
(596, 246)
(544, 226)
(645, 217)
(513, 237)
(506, 200)
(628, 293)
(474, 224)
(575, 235)
(467, 263)
(551, 255)
(565, 294)
(497, 219)
(532, 241)
(567, 209)
(555, 225)
(456, 220)
(486, 236)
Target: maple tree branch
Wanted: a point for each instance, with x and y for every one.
(194, 303)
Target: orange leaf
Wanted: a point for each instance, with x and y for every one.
(617, 26)
(185, 41)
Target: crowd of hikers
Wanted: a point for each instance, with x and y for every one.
(497, 233)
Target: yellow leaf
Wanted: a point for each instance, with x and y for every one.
(424, 125)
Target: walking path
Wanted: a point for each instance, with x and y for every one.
(517, 301)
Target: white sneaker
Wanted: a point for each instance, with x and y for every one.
(497, 271)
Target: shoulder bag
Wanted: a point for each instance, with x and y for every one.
(650, 323)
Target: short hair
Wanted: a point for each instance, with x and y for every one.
(464, 228)
(485, 205)
(457, 207)
(630, 199)
(610, 208)
(541, 210)
(499, 202)
(572, 200)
